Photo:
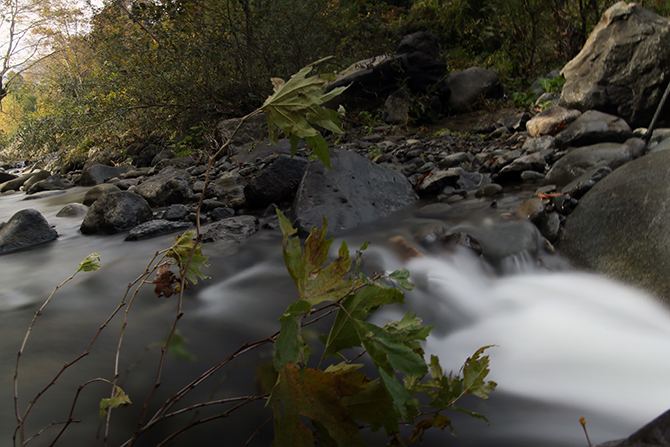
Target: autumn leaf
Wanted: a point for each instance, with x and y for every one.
(166, 282)
(181, 252)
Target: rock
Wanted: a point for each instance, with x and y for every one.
(251, 134)
(415, 64)
(621, 227)
(539, 144)
(234, 229)
(512, 172)
(581, 160)
(277, 183)
(6, 176)
(36, 177)
(356, 191)
(177, 163)
(221, 213)
(593, 127)
(469, 85)
(72, 210)
(52, 183)
(116, 212)
(154, 228)
(166, 188)
(550, 226)
(550, 121)
(25, 229)
(95, 192)
(435, 182)
(623, 67)
(531, 209)
(143, 155)
(654, 434)
(396, 107)
(176, 212)
(97, 174)
(490, 190)
(16, 184)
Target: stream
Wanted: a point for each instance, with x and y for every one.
(567, 344)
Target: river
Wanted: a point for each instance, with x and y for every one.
(568, 344)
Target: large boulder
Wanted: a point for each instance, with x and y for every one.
(415, 64)
(621, 227)
(52, 183)
(591, 128)
(355, 192)
(116, 212)
(624, 66)
(24, 229)
(654, 434)
(277, 183)
(166, 188)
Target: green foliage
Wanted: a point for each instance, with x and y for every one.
(90, 264)
(552, 85)
(195, 139)
(119, 398)
(187, 253)
(177, 348)
(340, 397)
(296, 104)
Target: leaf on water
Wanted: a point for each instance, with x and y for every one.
(297, 104)
(120, 398)
(167, 284)
(317, 395)
(90, 264)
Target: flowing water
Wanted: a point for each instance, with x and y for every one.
(567, 344)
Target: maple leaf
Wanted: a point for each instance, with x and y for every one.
(119, 398)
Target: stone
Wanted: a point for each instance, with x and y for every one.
(550, 121)
(435, 182)
(533, 162)
(621, 227)
(98, 174)
(116, 212)
(538, 144)
(593, 127)
(52, 183)
(581, 160)
(15, 184)
(624, 66)
(25, 229)
(154, 228)
(490, 190)
(531, 209)
(97, 191)
(252, 132)
(36, 177)
(277, 183)
(233, 230)
(355, 192)
(6, 176)
(72, 210)
(176, 212)
(166, 188)
(396, 107)
(468, 86)
(654, 434)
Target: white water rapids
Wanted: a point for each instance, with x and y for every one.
(567, 344)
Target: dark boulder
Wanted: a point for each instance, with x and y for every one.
(24, 229)
(277, 183)
(355, 192)
(154, 228)
(654, 434)
(52, 183)
(166, 188)
(35, 177)
(470, 85)
(116, 212)
(593, 127)
(97, 191)
(98, 174)
(233, 230)
(621, 227)
(6, 176)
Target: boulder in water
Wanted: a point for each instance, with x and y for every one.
(24, 229)
(621, 227)
(116, 212)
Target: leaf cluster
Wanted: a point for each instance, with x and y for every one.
(340, 397)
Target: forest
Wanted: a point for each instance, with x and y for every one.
(133, 70)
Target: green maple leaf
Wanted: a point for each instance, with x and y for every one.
(90, 264)
(315, 282)
(181, 251)
(296, 104)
